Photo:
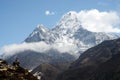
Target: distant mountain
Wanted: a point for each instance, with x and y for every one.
(98, 63)
(69, 31)
(64, 43)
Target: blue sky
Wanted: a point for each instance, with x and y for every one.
(18, 18)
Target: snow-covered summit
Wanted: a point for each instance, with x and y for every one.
(67, 40)
(40, 33)
(41, 28)
(69, 21)
(69, 32)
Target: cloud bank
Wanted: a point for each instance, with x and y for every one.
(96, 21)
(10, 50)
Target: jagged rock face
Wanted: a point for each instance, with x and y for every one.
(9, 72)
(40, 34)
(98, 63)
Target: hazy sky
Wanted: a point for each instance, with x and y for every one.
(18, 18)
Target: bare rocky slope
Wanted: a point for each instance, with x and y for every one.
(98, 63)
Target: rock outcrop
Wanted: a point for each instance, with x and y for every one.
(14, 72)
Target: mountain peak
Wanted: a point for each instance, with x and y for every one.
(39, 26)
(69, 31)
(42, 28)
(70, 13)
(70, 16)
(40, 33)
(70, 21)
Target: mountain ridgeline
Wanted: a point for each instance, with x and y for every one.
(69, 30)
(66, 41)
(63, 45)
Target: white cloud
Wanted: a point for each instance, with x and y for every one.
(96, 21)
(49, 13)
(10, 50)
